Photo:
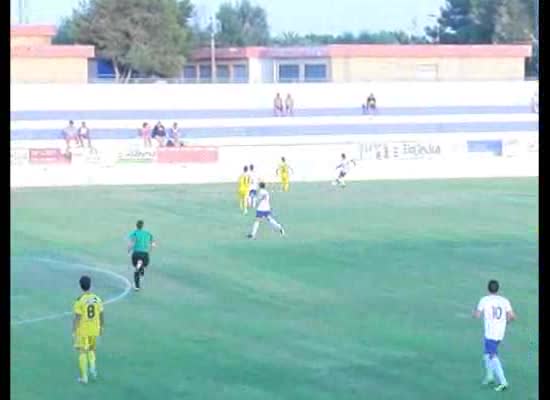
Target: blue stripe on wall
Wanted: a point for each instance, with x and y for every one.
(460, 127)
(200, 114)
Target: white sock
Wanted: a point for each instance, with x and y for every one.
(274, 223)
(499, 372)
(255, 228)
(490, 376)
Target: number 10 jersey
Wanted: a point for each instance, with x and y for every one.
(494, 309)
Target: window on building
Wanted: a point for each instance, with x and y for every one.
(205, 73)
(240, 73)
(189, 73)
(289, 73)
(315, 72)
(222, 73)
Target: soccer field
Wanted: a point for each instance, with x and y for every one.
(369, 295)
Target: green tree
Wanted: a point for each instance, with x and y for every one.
(484, 21)
(65, 32)
(242, 24)
(365, 37)
(186, 10)
(512, 22)
(144, 36)
(455, 24)
(290, 39)
(315, 39)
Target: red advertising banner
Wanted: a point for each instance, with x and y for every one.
(187, 155)
(47, 156)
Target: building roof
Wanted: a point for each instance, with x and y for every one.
(368, 50)
(33, 30)
(57, 51)
(430, 51)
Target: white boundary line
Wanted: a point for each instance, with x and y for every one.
(127, 284)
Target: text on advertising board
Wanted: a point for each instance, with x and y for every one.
(137, 156)
(400, 150)
(47, 156)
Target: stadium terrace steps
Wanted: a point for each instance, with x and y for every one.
(44, 125)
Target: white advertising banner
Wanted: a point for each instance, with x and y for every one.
(19, 156)
(526, 146)
(412, 149)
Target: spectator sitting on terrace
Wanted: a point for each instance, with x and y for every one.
(159, 133)
(145, 134)
(370, 104)
(69, 133)
(173, 138)
(278, 105)
(289, 105)
(84, 133)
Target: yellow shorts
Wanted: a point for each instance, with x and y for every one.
(242, 193)
(285, 179)
(85, 343)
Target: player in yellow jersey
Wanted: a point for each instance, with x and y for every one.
(87, 326)
(283, 171)
(243, 185)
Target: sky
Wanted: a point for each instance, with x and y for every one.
(300, 16)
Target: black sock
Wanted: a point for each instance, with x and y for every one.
(136, 278)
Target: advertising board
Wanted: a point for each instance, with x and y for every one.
(533, 145)
(402, 150)
(19, 156)
(184, 155)
(48, 156)
(136, 155)
(517, 147)
(485, 147)
(83, 156)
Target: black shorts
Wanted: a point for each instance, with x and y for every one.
(140, 256)
(341, 175)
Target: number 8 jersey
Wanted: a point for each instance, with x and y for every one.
(88, 306)
(494, 309)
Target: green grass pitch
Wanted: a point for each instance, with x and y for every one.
(367, 297)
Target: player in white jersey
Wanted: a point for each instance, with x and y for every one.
(343, 169)
(253, 186)
(263, 211)
(497, 312)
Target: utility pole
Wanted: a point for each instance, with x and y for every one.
(213, 49)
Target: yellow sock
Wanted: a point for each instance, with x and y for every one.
(91, 360)
(83, 364)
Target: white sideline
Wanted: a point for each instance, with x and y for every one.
(119, 297)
